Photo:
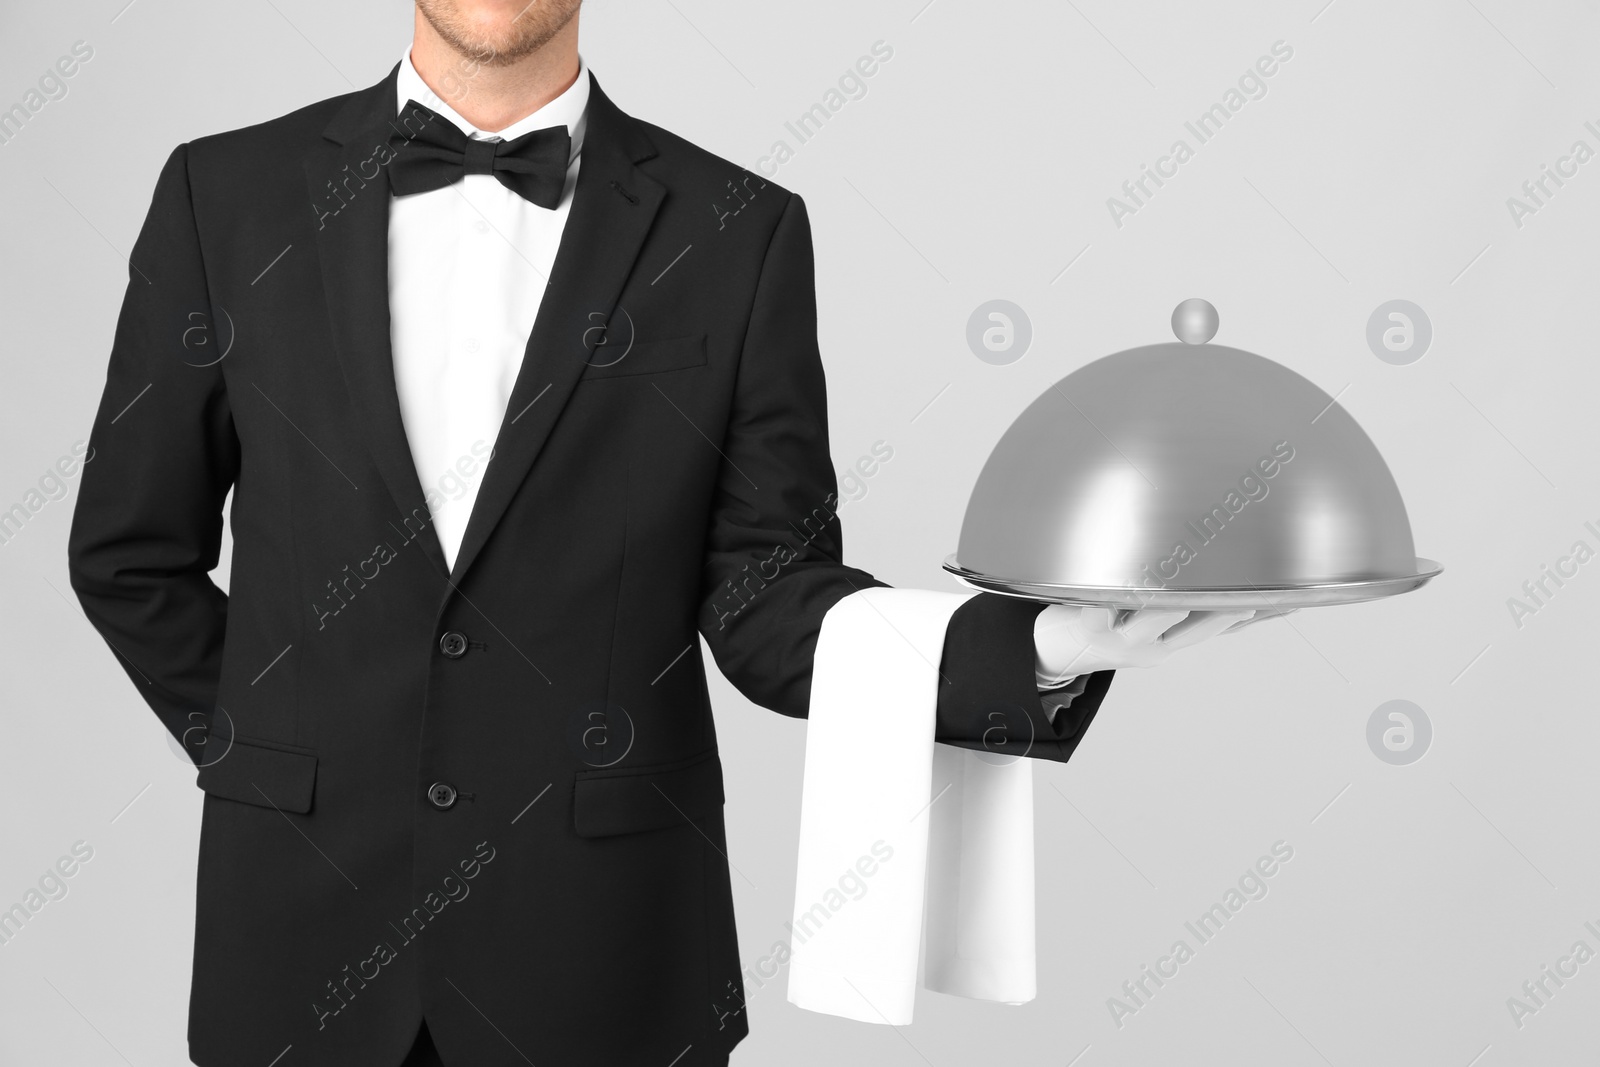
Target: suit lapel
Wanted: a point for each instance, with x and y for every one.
(352, 207)
(599, 245)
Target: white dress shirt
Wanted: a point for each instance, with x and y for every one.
(468, 266)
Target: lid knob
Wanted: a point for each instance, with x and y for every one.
(1194, 321)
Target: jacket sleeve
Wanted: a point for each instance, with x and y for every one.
(774, 556)
(988, 692)
(147, 528)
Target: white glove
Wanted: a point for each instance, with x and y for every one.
(1071, 640)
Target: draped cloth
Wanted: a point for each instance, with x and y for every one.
(904, 844)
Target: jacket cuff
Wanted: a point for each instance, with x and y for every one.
(989, 697)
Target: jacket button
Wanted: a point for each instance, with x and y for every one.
(453, 644)
(442, 795)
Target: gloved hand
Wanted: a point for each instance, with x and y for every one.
(1071, 640)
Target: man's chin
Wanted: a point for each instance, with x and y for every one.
(491, 51)
(499, 38)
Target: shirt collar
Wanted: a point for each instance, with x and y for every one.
(569, 109)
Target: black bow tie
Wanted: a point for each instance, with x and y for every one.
(431, 152)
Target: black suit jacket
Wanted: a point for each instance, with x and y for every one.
(489, 794)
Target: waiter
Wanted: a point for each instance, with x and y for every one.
(515, 394)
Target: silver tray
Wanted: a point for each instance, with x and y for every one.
(1280, 598)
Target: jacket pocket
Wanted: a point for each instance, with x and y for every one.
(261, 773)
(617, 800)
(647, 357)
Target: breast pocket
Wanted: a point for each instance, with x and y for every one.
(645, 357)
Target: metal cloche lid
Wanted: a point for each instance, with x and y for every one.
(1188, 475)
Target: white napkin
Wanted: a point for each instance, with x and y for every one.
(887, 816)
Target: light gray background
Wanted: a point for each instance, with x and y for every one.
(977, 167)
